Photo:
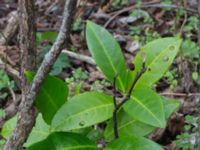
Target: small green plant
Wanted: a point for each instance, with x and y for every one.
(138, 13)
(190, 53)
(99, 85)
(184, 140)
(167, 2)
(79, 74)
(171, 77)
(119, 2)
(76, 24)
(128, 118)
(191, 25)
(196, 77)
(190, 50)
(148, 35)
(76, 81)
(5, 83)
(62, 62)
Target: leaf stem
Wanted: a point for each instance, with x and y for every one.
(124, 100)
(115, 105)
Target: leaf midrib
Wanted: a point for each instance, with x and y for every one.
(154, 60)
(80, 146)
(119, 78)
(85, 111)
(124, 125)
(145, 108)
(50, 99)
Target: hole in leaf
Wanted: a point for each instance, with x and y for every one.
(81, 123)
(131, 66)
(172, 47)
(143, 55)
(166, 58)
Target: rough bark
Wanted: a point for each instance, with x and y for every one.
(198, 131)
(199, 23)
(10, 29)
(27, 113)
(27, 35)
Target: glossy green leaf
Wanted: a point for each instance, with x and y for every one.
(133, 143)
(39, 132)
(158, 55)
(83, 110)
(64, 141)
(128, 126)
(8, 127)
(52, 95)
(146, 106)
(106, 53)
(170, 105)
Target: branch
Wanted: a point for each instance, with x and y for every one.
(12, 72)
(54, 52)
(124, 100)
(146, 5)
(115, 124)
(10, 29)
(27, 113)
(28, 53)
(199, 23)
(81, 57)
(170, 7)
(180, 94)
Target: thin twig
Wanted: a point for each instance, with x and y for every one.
(137, 77)
(10, 29)
(115, 105)
(12, 72)
(81, 57)
(185, 19)
(129, 8)
(119, 13)
(125, 99)
(199, 23)
(11, 92)
(3, 63)
(180, 94)
(52, 55)
(170, 7)
(10, 111)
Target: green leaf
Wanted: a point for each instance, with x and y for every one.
(128, 126)
(52, 95)
(51, 36)
(83, 110)
(8, 127)
(64, 141)
(39, 132)
(146, 106)
(170, 105)
(158, 56)
(61, 63)
(106, 53)
(133, 143)
(190, 49)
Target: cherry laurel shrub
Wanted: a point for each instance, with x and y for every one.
(66, 122)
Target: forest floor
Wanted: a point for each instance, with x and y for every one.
(133, 25)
